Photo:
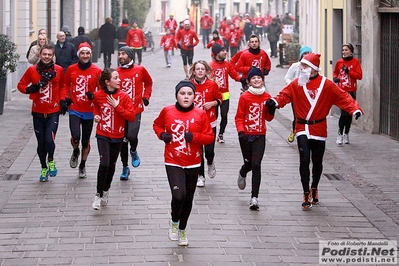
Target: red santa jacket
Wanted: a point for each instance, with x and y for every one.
(248, 60)
(112, 122)
(347, 82)
(168, 42)
(206, 22)
(207, 91)
(47, 99)
(252, 114)
(313, 102)
(135, 38)
(187, 39)
(78, 82)
(137, 83)
(174, 122)
(221, 71)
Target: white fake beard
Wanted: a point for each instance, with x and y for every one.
(304, 76)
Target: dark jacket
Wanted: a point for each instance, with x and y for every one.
(66, 55)
(81, 38)
(273, 31)
(107, 34)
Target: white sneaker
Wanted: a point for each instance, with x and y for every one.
(173, 230)
(97, 202)
(211, 170)
(183, 241)
(339, 140)
(104, 199)
(346, 138)
(201, 181)
(253, 204)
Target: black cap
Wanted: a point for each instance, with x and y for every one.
(128, 51)
(216, 49)
(184, 83)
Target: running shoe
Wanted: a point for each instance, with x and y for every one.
(220, 138)
(104, 199)
(135, 159)
(306, 204)
(125, 173)
(211, 170)
(339, 139)
(52, 169)
(183, 241)
(44, 175)
(253, 204)
(315, 196)
(82, 173)
(173, 230)
(241, 182)
(346, 138)
(201, 181)
(73, 162)
(97, 202)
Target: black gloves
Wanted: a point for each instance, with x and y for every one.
(265, 72)
(166, 137)
(63, 107)
(345, 69)
(188, 136)
(271, 106)
(68, 101)
(33, 88)
(242, 136)
(145, 101)
(47, 76)
(357, 114)
(90, 95)
(190, 46)
(179, 45)
(336, 80)
(244, 83)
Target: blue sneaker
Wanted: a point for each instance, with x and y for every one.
(125, 173)
(135, 159)
(44, 175)
(52, 169)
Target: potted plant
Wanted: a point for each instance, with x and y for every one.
(8, 64)
(96, 42)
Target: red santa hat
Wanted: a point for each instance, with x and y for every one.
(206, 13)
(84, 46)
(312, 60)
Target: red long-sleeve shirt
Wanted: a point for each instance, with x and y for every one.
(112, 122)
(168, 42)
(248, 60)
(47, 99)
(78, 82)
(187, 38)
(252, 114)
(221, 72)
(135, 38)
(137, 83)
(348, 82)
(176, 123)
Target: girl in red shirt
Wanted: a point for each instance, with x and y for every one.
(250, 119)
(207, 97)
(111, 108)
(184, 128)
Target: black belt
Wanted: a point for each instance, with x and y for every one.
(309, 122)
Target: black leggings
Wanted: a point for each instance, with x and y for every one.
(182, 183)
(74, 126)
(187, 56)
(345, 120)
(139, 53)
(252, 152)
(317, 148)
(209, 151)
(131, 134)
(224, 110)
(45, 131)
(108, 155)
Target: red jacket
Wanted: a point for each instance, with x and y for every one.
(320, 92)
(248, 60)
(137, 83)
(174, 122)
(47, 99)
(236, 57)
(112, 123)
(171, 24)
(252, 113)
(347, 82)
(78, 82)
(135, 38)
(187, 38)
(206, 22)
(221, 72)
(168, 42)
(207, 91)
(212, 42)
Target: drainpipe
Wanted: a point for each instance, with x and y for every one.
(49, 19)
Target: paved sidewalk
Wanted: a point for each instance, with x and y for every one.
(54, 224)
